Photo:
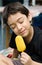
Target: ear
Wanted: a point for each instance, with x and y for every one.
(30, 17)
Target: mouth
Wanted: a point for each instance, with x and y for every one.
(22, 32)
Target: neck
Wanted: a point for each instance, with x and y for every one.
(30, 36)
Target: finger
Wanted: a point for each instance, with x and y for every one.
(6, 60)
(23, 60)
(2, 63)
(23, 53)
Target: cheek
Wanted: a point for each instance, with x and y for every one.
(27, 25)
(15, 31)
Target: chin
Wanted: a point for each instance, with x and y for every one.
(25, 35)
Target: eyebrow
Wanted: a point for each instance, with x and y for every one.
(13, 23)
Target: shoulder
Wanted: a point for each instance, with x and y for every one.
(12, 41)
(37, 30)
(38, 33)
(38, 40)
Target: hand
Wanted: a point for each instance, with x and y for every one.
(10, 55)
(5, 61)
(25, 59)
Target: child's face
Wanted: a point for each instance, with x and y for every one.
(19, 24)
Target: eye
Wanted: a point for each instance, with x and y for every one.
(13, 27)
(20, 22)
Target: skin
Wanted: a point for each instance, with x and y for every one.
(20, 25)
(26, 60)
(5, 61)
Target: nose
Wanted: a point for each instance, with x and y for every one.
(19, 26)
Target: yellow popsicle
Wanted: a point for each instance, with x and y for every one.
(20, 43)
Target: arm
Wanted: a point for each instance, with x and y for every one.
(35, 63)
(13, 52)
(12, 45)
(5, 61)
(26, 60)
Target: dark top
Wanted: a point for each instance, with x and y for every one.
(34, 48)
(37, 21)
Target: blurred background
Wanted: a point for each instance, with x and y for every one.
(31, 5)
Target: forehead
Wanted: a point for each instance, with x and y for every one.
(15, 16)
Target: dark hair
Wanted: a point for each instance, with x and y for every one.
(13, 8)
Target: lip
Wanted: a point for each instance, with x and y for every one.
(22, 32)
